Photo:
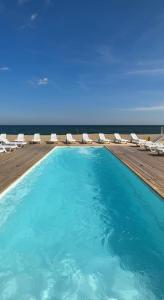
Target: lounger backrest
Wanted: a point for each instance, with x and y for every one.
(102, 136)
(3, 135)
(53, 136)
(117, 136)
(37, 136)
(69, 136)
(2, 139)
(85, 136)
(20, 137)
(134, 136)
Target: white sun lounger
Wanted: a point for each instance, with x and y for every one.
(102, 139)
(3, 137)
(21, 139)
(53, 139)
(145, 145)
(70, 139)
(157, 150)
(36, 139)
(156, 145)
(135, 139)
(118, 139)
(86, 139)
(7, 144)
(152, 145)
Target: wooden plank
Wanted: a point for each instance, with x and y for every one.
(14, 164)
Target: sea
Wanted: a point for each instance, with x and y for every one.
(79, 129)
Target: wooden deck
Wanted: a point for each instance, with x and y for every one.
(14, 164)
(146, 165)
(150, 168)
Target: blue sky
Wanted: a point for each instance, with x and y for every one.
(81, 62)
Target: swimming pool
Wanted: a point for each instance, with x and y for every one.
(81, 226)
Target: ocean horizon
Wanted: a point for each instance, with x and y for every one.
(79, 129)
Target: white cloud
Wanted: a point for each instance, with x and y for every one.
(148, 108)
(154, 71)
(38, 82)
(30, 22)
(33, 17)
(4, 68)
(42, 81)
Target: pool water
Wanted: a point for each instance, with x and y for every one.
(81, 226)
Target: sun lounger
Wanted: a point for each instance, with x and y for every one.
(21, 139)
(3, 137)
(118, 139)
(154, 146)
(158, 149)
(36, 139)
(102, 139)
(146, 145)
(154, 151)
(7, 144)
(53, 139)
(86, 139)
(70, 139)
(135, 139)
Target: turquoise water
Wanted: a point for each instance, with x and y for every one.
(81, 226)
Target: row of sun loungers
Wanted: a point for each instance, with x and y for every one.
(155, 147)
(85, 139)
(70, 139)
(6, 145)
